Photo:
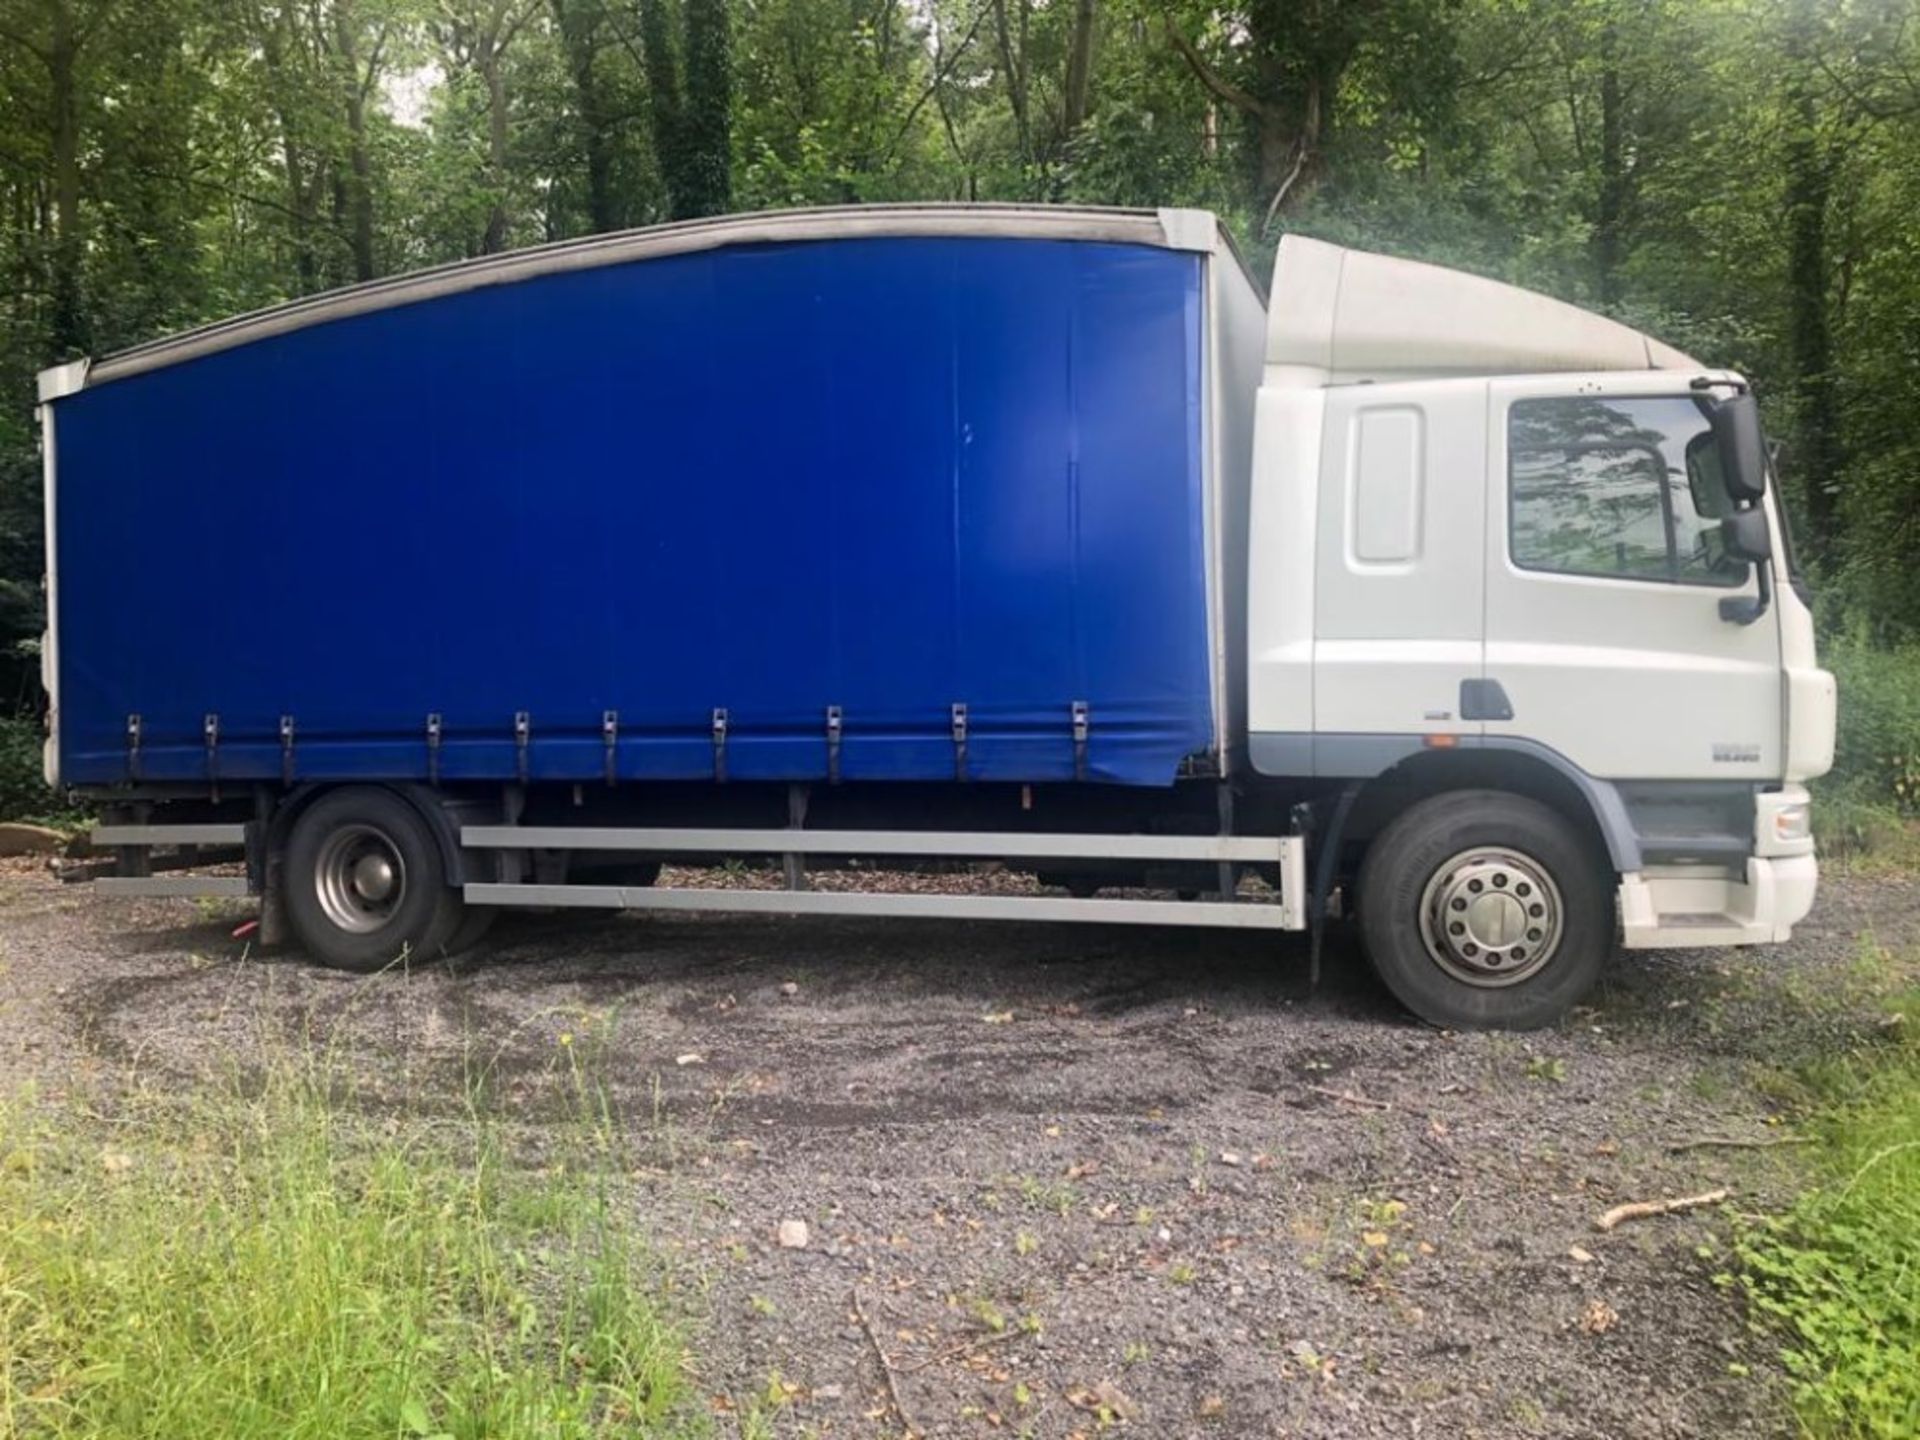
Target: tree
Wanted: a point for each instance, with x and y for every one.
(57, 34)
(359, 78)
(1808, 191)
(1281, 67)
(582, 27)
(690, 87)
(475, 36)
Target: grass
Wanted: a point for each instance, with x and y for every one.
(1868, 809)
(1838, 1275)
(265, 1260)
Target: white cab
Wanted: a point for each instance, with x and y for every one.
(1455, 480)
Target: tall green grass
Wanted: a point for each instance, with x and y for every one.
(1839, 1273)
(267, 1260)
(1869, 805)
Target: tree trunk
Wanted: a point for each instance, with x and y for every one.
(692, 126)
(1285, 110)
(1809, 331)
(302, 189)
(495, 239)
(359, 186)
(1289, 152)
(1613, 180)
(1013, 67)
(663, 102)
(577, 21)
(360, 190)
(1079, 69)
(68, 333)
(709, 107)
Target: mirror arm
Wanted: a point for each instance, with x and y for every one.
(1743, 610)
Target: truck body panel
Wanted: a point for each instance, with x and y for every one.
(656, 518)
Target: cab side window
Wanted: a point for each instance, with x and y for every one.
(1626, 489)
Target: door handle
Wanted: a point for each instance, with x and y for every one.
(1484, 700)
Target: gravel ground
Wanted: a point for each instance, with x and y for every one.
(1067, 1178)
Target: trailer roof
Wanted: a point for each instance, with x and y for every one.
(1193, 230)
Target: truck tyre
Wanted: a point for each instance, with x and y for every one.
(1483, 910)
(365, 883)
(472, 929)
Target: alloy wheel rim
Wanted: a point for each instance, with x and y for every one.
(1491, 917)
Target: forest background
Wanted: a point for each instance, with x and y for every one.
(1739, 177)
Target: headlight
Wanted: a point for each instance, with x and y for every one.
(1793, 822)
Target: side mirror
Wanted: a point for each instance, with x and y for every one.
(1747, 536)
(1743, 449)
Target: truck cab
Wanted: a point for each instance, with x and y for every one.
(1490, 557)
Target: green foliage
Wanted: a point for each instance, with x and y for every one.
(1869, 807)
(262, 1261)
(1836, 1273)
(1877, 755)
(23, 791)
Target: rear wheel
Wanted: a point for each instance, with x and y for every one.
(1483, 910)
(472, 929)
(365, 884)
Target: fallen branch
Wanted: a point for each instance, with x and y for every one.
(1728, 1142)
(969, 1348)
(1646, 1209)
(886, 1367)
(1349, 1097)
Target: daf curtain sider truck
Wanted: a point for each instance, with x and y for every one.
(901, 536)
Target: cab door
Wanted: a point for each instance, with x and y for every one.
(1606, 583)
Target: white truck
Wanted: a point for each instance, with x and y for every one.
(902, 535)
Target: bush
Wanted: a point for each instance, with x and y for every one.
(1877, 757)
(1836, 1275)
(1867, 806)
(23, 791)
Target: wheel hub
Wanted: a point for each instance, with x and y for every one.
(1491, 916)
(360, 878)
(373, 878)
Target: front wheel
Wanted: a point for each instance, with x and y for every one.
(1483, 910)
(365, 883)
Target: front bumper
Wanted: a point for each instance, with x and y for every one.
(1690, 907)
